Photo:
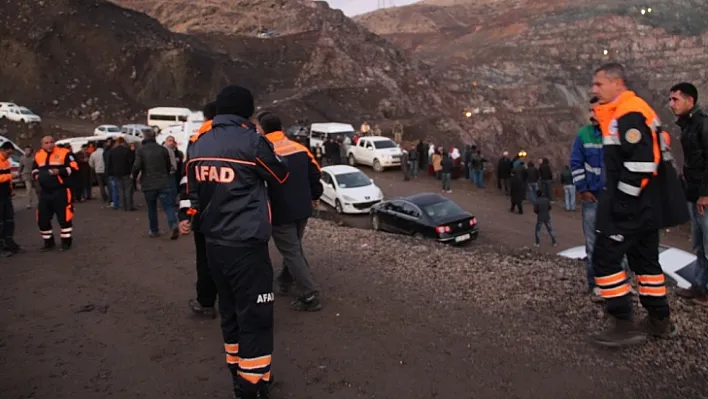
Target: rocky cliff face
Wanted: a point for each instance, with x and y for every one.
(95, 60)
(524, 67)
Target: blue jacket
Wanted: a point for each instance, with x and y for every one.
(586, 160)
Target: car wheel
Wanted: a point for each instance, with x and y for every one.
(338, 207)
(377, 166)
(352, 160)
(418, 236)
(375, 222)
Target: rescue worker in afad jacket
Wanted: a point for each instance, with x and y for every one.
(52, 169)
(227, 172)
(642, 194)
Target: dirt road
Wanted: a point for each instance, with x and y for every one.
(498, 226)
(401, 320)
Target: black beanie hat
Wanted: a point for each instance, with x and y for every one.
(235, 100)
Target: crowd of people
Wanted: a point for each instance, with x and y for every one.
(243, 182)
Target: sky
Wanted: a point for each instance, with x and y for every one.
(353, 7)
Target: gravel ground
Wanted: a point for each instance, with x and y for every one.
(402, 318)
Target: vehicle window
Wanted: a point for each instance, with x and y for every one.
(316, 135)
(145, 130)
(442, 210)
(353, 180)
(156, 117)
(383, 144)
(182, 118)
(26, 112)
(396, 206)
(113, 129)
(124, 130)
(16, 156)
(410, 210)
(326, 178)
(342, 135)
(368, 145)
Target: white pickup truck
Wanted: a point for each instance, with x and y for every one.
(376, 151)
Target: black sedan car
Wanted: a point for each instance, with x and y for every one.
(426, 215)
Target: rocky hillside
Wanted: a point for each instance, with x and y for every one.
(524, 67)
(315, 62)
(93, 59)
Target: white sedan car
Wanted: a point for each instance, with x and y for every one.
(677, 264)
(349, 190)
(106, 130)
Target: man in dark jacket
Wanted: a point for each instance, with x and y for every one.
(693, 121)
(542, 209)
(120, 164)
(422, 150)
(504, 172)
(291, 205)
(546, 176)
(517, 188)
(446, 173)
(152, 163)
(226, 178)
(566, 179)
(413, 161)
(532, 177)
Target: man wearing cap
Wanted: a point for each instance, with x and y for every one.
(227, 172)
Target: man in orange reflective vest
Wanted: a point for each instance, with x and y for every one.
(52, 168)
(632, 208)
(203, 305)
(8, 247)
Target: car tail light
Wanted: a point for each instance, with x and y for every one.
(473, 221)
(442, 229)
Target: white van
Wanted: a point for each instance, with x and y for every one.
(183, 131)
(163, 117)
(135, 130)
(320, 131)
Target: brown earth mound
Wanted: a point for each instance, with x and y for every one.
(524, 67)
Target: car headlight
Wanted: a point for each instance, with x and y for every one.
(380, 194)
(347, 198)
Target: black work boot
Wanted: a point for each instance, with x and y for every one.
(623, 333)
(308, 303)
(659, 328)
(49, 245)
(199, 309)
(65, 244)
(239, 394)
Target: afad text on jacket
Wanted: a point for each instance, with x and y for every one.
(292, 200)
(227, 171)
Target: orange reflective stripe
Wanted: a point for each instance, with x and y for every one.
(231, 348)
(266, 376)
(623, 289)
(611, 279)
(651, 279)
(205, 127)
(191, 212)
(253, 378)
(279, 180)
(255, 363)
(652, 291)
(232, 359)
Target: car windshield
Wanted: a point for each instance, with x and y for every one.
(16, 156)
(353, 180)
(112, 129)
(384, 144)
(26, 112)
(443, 210)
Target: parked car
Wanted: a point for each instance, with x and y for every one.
(349, 190)
(426, 215)
(135, 130)
(20, 114)
(106, 130)
(6, 106)
(677, 264)
(377, 151)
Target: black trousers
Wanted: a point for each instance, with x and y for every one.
(206, 288)
(7, 224)
(244, 280)
(519, 205)
(642, 252)
(59, 203)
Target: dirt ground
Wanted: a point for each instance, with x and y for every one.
(109, 319)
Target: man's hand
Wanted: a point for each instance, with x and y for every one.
(315, 204)
(587, 196)
(185, 227)
(701, 205)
